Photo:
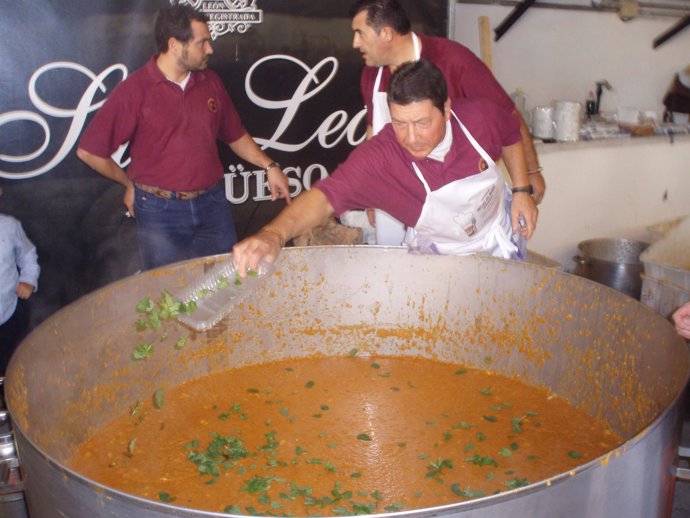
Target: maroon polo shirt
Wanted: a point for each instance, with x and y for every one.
(466, 75)
(172, 133)
(379, 172)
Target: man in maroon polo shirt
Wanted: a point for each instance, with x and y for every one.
(171, 112)
(433, 167)
(382, 34)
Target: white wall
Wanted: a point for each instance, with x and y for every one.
(613, 189)
(559, 54)
(606, 189)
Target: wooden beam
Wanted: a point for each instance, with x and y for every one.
(509, 20)
(664, 37)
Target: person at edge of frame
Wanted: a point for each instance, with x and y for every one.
(19, 271)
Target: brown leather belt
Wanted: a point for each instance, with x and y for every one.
(172, 195)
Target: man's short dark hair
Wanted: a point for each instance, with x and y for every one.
(417, 81)
(176, 22)
(382, 13)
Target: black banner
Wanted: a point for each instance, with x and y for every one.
(288, 65)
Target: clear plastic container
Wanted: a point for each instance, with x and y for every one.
(219, 290)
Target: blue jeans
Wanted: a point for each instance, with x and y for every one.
(175, 230)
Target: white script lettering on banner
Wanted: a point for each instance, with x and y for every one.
(78, 116)
(331, 125)
(334, 128)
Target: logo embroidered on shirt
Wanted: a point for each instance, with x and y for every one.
(212, 105)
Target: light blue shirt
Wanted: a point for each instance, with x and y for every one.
(18, 263)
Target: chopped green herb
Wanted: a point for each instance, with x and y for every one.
(480, 460)
(181, 342)
(257, 484)
(220, 450)
(363, 437)
(375, 366)
(271, 442)
(136, 408)
(158, 398)
(130, 447)
(146, 305)
(358, 509)
(165, 497)
(434, 469)
(142, 351)
(309, 384)
(574, 454)
(467, 492)
(460, 372)
(486, 391)
(516, 483)
(353, 352)
(490, 418)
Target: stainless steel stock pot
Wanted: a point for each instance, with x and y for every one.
(602, 350)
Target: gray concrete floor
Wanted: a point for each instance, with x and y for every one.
(681, 499)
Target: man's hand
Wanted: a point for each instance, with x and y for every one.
(248, 253)
(24, 290)
(536, 180)
(278, 184)
(681, 318)
(523, 205)
(128, 199)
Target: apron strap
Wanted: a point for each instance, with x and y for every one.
(474, 143)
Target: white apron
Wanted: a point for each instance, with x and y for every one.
(465, 216)
(389, 231)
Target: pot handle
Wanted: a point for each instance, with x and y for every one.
(7, 467)
(683, 473)
(580, 260)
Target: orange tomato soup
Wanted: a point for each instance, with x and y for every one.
(340, 436)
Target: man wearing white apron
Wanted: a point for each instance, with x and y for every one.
(382, 35)
(433, 168)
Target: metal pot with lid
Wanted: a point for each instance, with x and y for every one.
(604, 352)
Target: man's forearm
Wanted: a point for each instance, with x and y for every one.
(245, 148)
(309, 210)
(106, 167)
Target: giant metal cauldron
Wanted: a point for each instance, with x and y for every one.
(605, 352)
